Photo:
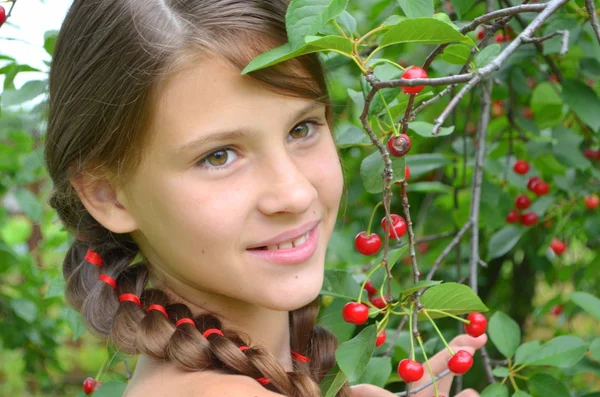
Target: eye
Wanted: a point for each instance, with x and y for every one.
(217, 159)
(302, 131)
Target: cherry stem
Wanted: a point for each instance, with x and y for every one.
(412, 342)
(449, 315)
(428, 366)
(438, 331)
(389, 113)
(372, 216)
(339, 28)
(362, 287)
(384, 321)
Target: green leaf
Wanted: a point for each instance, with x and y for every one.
(350, 136)
(547, 386)
(111, 389)
(562, 351)
(50, 41)
(595, 349)
(487, 55)
(583, 101)
(429, 187)
(74, 321)
(419, 285)
(332, 382)
(421, 164)
(25, 309)
(331, 318)
(426, 129)
(521, 393)
(505, 333)
(30, 205)
(424, 31)
(371, 171)
(348, 21)
(457, 54)
(503, 241)
(417, 8)
(340, 283)
(587, 302)
(495, 390)
(526, 350)
(462, 6)
(354, 355)
(567, 148)
(377, 372)
(30, 90)
(56, 287)
(453, 298)
(546, 105)
(500, 372)
(307, 17)
(285, 52)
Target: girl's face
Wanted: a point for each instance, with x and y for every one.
(231, 165)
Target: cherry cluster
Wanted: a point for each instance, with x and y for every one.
(537, 186)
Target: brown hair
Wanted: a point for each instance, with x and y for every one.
(109, 60)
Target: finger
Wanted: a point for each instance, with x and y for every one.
(468, 393)
(364, 390)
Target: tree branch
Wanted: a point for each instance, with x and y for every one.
(591, 9)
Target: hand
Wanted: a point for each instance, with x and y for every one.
(438, 364)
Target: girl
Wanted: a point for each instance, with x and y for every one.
(201, 200)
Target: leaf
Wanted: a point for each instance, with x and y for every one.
(487, 55)
(429, 187)
(495, 390)
(417, 8)
(426, 129)
(583, 101)
(521, 393)
(371, 171)
(285, 52)
(30, 205)
(546, 105)
(56, 287)
(505, 333)
(424, 31)
(547, 386)
(350, 136)
(462, 6)
(526, 350)
(75, 322)
(567, 148)
(348, 21)
(500, 372)
(332, 382)
(30, 90)
(354, 355)
(562, 351)
(331, 318)
(340, 283)
(377, 372)
(503, 241)
(540, 205)
(111, 389)
(587, 302)
(25, 309)
(420, 164)
(595, 349)
(419, 285)
(307, 17)
(453, 298)
(457, 54)
(50, 41)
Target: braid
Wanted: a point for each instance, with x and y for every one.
(142, 320)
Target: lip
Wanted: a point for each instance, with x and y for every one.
(287, 236)
(291, 256)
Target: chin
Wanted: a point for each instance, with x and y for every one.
(293, 298)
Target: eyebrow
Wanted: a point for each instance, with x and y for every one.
(239, 133)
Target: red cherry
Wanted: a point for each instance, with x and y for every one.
(554, 78)
(499, 38)
(541, 188)
(507, 37)
(480, 35)
(398, 225)
(557, 310)
(461, 362)
(378, 302)
(528, 113)
(2, 15)
(497, 108)
(422, 247)
(355, 313)
(367, 245)
(89, 385)
(529, 218)
(478, 324)
(513, 216)
(558, 246)
(534, 180)
(380, 339)
(410, 371)
(522, 202)
(592, 201)
(521, 167)
(531, 82)
(590, 153)
(399, 145)
(370, 288)
(406, 175)
(414, 72)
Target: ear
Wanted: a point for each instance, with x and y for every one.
(99, 196)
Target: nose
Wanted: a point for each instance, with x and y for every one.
(287, 186)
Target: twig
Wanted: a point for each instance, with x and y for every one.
(426, 385)
(564, 42)
(591, 9)
(396, 336)
(447, 250)
(433, 237)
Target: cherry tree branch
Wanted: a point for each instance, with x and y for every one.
(564, 42)
(447, 250)
(426, 385)
(591, 9)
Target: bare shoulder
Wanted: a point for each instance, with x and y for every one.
(196, 384)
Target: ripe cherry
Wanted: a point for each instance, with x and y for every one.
(480, 34)
(557, 310)
(410, 371)
(399, 145)
(590, 153)
(355, 313)
(478, 324)
(592, 201)
(367, 245)
(370, 288)
(529, 218)
(422, 247)
(558, 246)
(522, 202)
(461, 362)
(380, 339)
(541, 188)
(497, 108)
(499, 38)
(89, 385)
(398, 225)
(2, 15)
(406, 175)
(531, 82)
(378, 302)
(528, 113)
(521, 167)
(513, 216)
(414, 72)
(534, 180)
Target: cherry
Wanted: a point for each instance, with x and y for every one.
(558, 246)
(380, 339)
(590, 153)
(378, 302)
(414, 72)
(528, 113)
(480, 35)
(478, 324)
(398, 225)
(422, 247)
(370, 288)
(367, 245)
(89, 385)
(557, 310)
(410, 371)
(531, 82)
(541, 188)
(534, 180)
(2, 15)
(529, 218)
(499, 38)
(497, 108)
(521, 167)
(592, 201)
(406, 175)
(399, 145)
(522, 202)
(461, 362)
(513, 216)
(355, 313)
(554, 78)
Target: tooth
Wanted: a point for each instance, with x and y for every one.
(286, 245)
(272, 247)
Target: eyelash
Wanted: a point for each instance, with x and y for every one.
(201, 163)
